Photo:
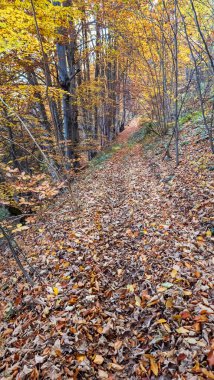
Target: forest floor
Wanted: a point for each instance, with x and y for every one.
(125, 288)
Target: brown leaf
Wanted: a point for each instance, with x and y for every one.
(102, 374)
(116, 366)
(118, 344)
(81, 357)
(196, 367)
(182, 330)
(208, 374)
(7, 332)
(185, 314)
(153, 366)
(210, 358)
(98, 359)
(174, 273)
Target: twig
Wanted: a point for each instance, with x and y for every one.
(15, 255)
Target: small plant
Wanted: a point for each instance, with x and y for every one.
(105, 155)
(183, 143)
(190, 116)
(4, 213)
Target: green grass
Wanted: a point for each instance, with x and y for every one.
(4, 213)
(139, 136)
(105, 155)
(190, 116)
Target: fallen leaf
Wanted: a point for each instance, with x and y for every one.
(191, 340)
(210, 358)
(209, 374)
(201, 318)
(182, 330)
(7, 332)
(185, 314)
(162, 320)
(118, 344)
(56, 291)
(80, 357)
(143, 369)
(117, 367)
(137, 301)
(169, 303)
(39, 359)
(153, 366)
(200, 238)
(102, 374)
(167, 327)
(167, 285)
(98, 359)
(187, 292)
(161, 289)
(174, 273)
(196, 367)
(130, 287)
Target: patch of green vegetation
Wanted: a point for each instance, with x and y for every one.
(140, 135)
(116, 147)
(4, 213)
(105, 155)
(183, 143)
(10, 313)
(100, 158)
(190, 116)
(184, 119)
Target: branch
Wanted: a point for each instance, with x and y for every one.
(15, 255)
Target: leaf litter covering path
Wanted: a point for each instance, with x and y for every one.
(129, 292)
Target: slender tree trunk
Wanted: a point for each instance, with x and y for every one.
(176, 85)
(32, 79)
(97, 76)
(209, 129)
(67, 81)
(201, 34)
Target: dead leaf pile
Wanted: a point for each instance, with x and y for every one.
(127, 279)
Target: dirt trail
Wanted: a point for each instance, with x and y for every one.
(129, 130)
(134, 279)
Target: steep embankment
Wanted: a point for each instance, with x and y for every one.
(128, 292)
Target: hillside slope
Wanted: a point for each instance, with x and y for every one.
(126, 279)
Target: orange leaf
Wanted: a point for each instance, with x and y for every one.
(201, 318)
(174, 273)
(208, 374)
(98, 359)
(153, 366)
(210, 358)
(81, 357)
(196, 367)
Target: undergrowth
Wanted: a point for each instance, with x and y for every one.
(105, 155)
(147, 138)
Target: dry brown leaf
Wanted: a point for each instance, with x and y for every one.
(116, 366)
(210, 358)
(209, 374)
(80, 357)
(137, 301)
(102, 374)
(162, 320)
(118, 344)
(153, 366)
(182, 330)
(174, 273)
(98, 359)
(196, 367)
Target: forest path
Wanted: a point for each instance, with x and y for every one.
(131, 274)
(130, 129)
